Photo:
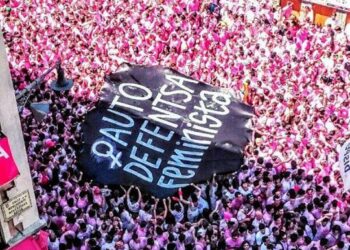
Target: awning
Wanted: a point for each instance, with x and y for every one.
(38, 241)
(8, 168)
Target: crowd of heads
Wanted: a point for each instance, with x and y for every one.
(287, 195)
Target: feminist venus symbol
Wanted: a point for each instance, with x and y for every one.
(108, 154)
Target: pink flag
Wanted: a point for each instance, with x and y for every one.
(34, 242)
(8, 166)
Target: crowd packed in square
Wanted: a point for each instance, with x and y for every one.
(288, 194)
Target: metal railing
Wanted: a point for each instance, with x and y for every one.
(23, 96)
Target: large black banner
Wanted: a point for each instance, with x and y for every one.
(160, 130)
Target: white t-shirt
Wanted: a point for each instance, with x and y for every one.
(134, 207)
(144, 216)
(259, 235)
(330, 21)
(179, 215)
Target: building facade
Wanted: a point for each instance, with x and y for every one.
(323, 9)
(19, 218)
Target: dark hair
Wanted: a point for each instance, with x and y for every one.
(159, 230)
(332, 189)
(307, 240)
(292, 193)
(245, 242)
(59, 211)
(319, 188)
(268, 165)
(182, 237)
(92, 242)
(121, 207)
(177, 207)
(323, 242)
(216, 216)
(293, 163)
(222, 243)
(294, 237)
(340, 244)
(336, 228)
(309, 178)
(135, 236)
(143, 224)
(326, 179)
(150, 241)
(171, 246)
(70, 202)
(147, 207)
(92, 212)
(324, 198)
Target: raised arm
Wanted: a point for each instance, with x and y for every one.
(124, 190)
(169, 204)
(198, 223)
(329, 216)
(213, 181)
(139, 194)
(218, 203)
(166, 209)
(182, 199)
(197, 188)
(155, 209)
(288, 160)
(128, 193)
(182, 206)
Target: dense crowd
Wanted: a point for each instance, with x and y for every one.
(288, 194)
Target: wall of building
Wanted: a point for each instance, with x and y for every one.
(28, 221)
(321, 13)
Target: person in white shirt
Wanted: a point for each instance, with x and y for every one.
(328, 62)
(309, 14)
(134, 206)
(331, 21)
(125, 217)
(109, 244)
(245, 189)
(54, 243)
(178, 211)
(250, 15)
(145, 213)
(263, 231)
(266, 243)
(347, 31)
(340, 37)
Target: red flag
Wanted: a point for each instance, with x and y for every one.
(8, 168)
